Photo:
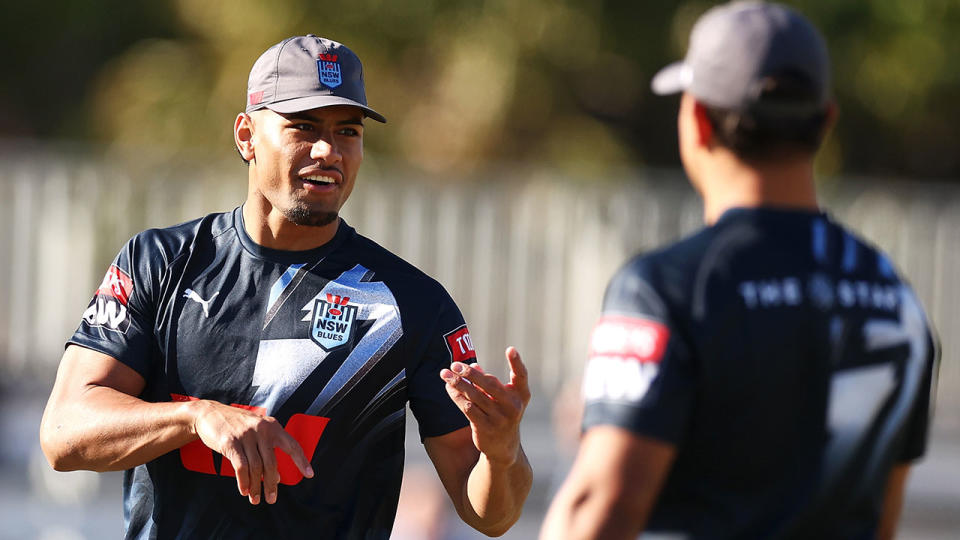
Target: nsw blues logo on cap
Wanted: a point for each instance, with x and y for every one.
(307, 72)
(329, 70)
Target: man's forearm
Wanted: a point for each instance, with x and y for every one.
(105, 430)
(495, 494)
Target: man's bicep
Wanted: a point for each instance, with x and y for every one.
(81, 368)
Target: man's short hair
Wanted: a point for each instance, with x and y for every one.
(779, 122)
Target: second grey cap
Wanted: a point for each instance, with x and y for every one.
(735, 47)
(307, 72)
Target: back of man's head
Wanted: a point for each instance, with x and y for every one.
(762, 72)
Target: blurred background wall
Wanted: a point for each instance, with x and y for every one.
(523, 161)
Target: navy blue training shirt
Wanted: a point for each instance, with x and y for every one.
(787, 362)
(333, 342)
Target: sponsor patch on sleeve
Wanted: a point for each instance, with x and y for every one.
(460, 345)
(625, 354)
(116, 284)
(108, 309)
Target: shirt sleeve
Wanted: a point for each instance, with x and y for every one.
(639, 374)
(916, 431)
(118, 321)
(448, 341)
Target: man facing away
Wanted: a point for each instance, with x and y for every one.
(267, 354)
(770, 376)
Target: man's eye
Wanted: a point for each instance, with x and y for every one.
(352, 132)
(303, 127)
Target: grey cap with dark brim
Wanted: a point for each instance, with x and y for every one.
(735, 46)
(307, 72)
(315, 102)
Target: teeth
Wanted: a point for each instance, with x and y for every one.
(321, 179)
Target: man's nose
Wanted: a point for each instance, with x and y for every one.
(325, 150)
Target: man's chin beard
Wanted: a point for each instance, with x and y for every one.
(303, 216)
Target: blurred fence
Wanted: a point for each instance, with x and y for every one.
(526, 258)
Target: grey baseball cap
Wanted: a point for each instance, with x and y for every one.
(736, 46)
(307, 72)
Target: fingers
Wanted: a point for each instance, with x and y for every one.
(475, 391)
(238, 460)
(271, 474)
(470, 399)
(249, 443)
(519, 377)
(293, 449)
(487, 383)
(254, 470)
(247, 463)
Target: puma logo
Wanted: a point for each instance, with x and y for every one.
(205, 304)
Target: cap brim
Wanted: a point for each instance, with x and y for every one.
(672, 79)
(316, 102)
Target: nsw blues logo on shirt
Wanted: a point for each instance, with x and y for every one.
(333, 320)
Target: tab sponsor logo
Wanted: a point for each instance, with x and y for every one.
(460, 345)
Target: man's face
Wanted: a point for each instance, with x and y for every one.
(306, 163)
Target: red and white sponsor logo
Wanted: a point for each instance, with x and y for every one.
(254, 98)
(625, 354)
(108, 309)
(631, 338)
(116, 284)
(304, 428)
(460, 345)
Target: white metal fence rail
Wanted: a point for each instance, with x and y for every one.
(526, 258)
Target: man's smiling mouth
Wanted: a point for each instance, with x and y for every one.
(319, 180)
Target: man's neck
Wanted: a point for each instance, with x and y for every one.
(267, 227)
(730, 183)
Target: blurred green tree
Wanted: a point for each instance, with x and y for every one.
(467, 84)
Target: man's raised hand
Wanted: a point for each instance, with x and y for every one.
(494, 409)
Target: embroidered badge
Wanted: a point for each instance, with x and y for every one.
(329, 70)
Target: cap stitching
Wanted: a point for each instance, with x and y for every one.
(276, 78)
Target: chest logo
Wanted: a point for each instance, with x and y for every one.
(205, 304)
(333, 320)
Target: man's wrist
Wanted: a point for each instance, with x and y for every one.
(190, 412)
(505, 460)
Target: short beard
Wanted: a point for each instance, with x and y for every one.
(301, 215)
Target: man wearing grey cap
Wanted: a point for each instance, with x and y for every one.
(268, 353)
(770, 376)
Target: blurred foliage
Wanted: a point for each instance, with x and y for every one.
(468, 83)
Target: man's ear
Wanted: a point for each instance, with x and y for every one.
(243, 136)
(830, 119)
(704, 134)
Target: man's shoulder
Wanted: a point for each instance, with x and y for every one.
(390, 267)
(174, 238)
(657, 278)
(673, 263)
